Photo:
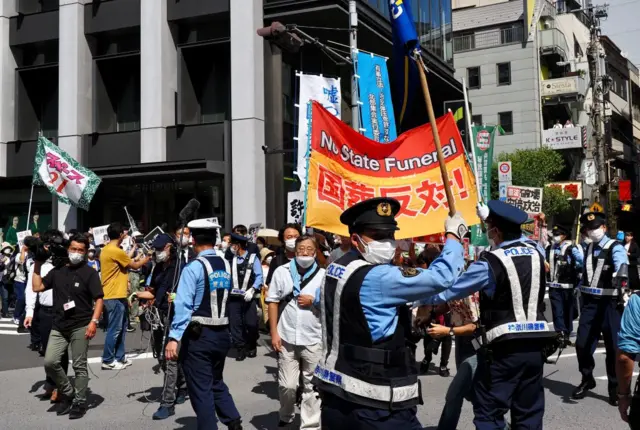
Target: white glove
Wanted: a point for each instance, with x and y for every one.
(248, 296)
(483, 211)
(456, 225)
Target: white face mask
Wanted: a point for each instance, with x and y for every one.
(557, 239)
(224, 246)
(162, 257)
(379, 251)
(290, 244)
(91, 255)
(75, 258)
(305, 261)
(596, 235)
(186, 241)
(492, 241)
(586, 240)
(234, 250)
(268, 261)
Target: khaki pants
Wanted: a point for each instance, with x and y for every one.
(56, 348)
(292, 360)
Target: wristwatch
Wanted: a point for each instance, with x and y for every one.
(97, 321)
(451, 333)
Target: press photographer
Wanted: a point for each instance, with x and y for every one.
(76, 287)
(160, 288)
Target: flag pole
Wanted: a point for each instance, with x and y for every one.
(30, 201)
(467, 114)
(434, 130)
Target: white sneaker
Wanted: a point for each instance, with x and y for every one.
(116, 365)
(126, 363)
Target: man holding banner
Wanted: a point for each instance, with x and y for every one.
(367, 376)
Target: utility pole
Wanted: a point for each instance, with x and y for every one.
(597, 151)
(353, 45)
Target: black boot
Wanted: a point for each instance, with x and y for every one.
(424, 366)
(64, 405)
(252, 353)
(235, 425)
(77, 411)
(581, 391)
(241, 354)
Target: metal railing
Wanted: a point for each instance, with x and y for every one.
(488, 39)
(553, 39)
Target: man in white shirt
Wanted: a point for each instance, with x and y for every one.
(296, 331)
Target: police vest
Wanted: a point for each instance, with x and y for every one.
(380, 374)
(514, 311)
(244, 272)
(562, 268)
(217, 284)
(599, 271)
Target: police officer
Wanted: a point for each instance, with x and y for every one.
(565, 264)
(246, 279)
(513, 334)
(201, 324)
(605, 272)
(367, 376)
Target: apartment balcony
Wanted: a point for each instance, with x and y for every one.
(488, 39)
(553, 41)
(569, 89)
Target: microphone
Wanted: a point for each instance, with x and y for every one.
(189, 210)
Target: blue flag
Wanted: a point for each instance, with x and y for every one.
(405, 42)
(377, 110)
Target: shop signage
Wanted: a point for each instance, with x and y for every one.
(559, 86)
(562, 138)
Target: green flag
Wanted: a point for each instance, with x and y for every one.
(483, 140)
(73, 183)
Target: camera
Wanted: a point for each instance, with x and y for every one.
(54, 248)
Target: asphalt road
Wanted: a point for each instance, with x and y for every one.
(126, 399)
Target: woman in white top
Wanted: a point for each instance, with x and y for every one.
(296, 332)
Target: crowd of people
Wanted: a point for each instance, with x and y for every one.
(345, 314)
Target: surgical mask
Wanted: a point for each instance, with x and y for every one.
(234, 250)
(290, 244)
(379, 251)
(587, 240)
(557, 239)
(596, 235)
(7, 252)
(260, 246)
(186, 241)
(305, 261)
(75, 258)
(268, 260)
(224, 246)
(91, 254)
(162, 257)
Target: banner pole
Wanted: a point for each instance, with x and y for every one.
(434, 130)
(30, 201)
(467, 114)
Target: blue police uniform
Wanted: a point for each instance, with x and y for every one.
(201, 321)
(601, 309)
(367, 376)
(565, 262)
(511, 282)
(246, 275)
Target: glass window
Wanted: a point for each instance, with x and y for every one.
(476, 119)
(504, 73)
(128, 104)
(473, 78)
(505, 119)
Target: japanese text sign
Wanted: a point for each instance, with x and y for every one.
(529, 199)
(346, 168)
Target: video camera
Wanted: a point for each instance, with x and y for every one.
(55, 248)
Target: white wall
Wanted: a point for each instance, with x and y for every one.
(7, 83)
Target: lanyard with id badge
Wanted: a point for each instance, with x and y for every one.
(70, 304)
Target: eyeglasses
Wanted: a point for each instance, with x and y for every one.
(305, 251)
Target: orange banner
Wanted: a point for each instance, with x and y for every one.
(346, 168)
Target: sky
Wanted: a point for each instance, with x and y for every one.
(623, 26)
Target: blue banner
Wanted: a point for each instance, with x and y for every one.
(377, 109)
(405, 41)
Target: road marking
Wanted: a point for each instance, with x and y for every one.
(604, 378)
(597, 351)
(13, 326)
(11, 333)
(94, 360)
(6, 320)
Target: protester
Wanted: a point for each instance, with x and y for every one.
(5, 259)
(287, 236)
(19, 285)
(77, 289)
(222, 248)
(92, 261)
(344, 246)
(115, 263)
(296, 333)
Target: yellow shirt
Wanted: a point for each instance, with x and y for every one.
(115, 278)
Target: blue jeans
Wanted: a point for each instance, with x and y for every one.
(116, 330)
(18, 289)
(460, 388)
